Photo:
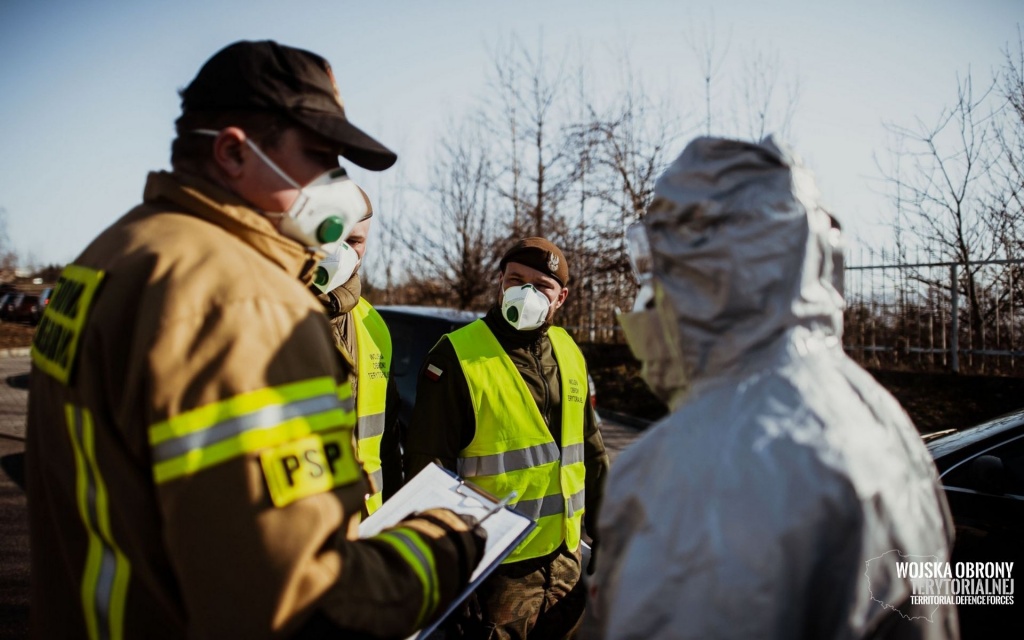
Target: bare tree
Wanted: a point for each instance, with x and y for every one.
(705, 48)
(527, 106)
(1008, 194)
(766, 102)
(8, 256)
(458, 245)
(942, 187)
(543, 156)
(383, 264)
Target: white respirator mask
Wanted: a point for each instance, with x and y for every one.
(325, 210)
(524, 307)
(651, 342)
(336, 268)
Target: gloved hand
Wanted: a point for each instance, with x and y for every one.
(458, 542)
(592, 565)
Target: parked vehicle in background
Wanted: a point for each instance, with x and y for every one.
(11, 303)
(25, 308)
(4, 299)
(982, 473)
(414, 332)
(44, 300)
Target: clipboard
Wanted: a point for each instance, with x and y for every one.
(435, 486)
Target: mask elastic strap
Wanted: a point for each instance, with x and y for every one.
(259, 152)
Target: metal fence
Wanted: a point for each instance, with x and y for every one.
(939, 316)
(920, 316)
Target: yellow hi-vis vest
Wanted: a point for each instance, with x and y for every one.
(513, 449)
(373, 348)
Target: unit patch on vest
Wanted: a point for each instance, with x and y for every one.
(314, 464)
(56, 339)
(378, 369)
(575, 391)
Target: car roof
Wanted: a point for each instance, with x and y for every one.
(441, 313)
(966, 437)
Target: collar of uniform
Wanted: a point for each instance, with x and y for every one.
(342, 299)
(218, 206)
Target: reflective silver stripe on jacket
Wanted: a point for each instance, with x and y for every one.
(572, 454)
(378, 480)
(547, 506)
(264, 418)
(577, 501)
(370, 426)
(509, 461)
(551, 505)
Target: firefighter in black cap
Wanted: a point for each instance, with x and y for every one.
(190, 458)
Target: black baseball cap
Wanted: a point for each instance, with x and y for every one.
(268, 76)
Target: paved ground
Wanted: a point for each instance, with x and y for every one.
(14, 549)
(13, 398)
(13, 521)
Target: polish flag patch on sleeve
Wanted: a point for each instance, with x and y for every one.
(433, 372)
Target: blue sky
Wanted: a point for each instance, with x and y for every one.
(88, 89)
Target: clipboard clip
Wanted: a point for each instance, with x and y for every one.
(475, 493)
(498, 507)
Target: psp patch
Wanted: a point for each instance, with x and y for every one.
(56, 339)
(314, 464)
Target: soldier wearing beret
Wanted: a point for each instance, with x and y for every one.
(503, 402)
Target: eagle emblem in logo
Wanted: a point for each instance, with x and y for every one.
(552, 262)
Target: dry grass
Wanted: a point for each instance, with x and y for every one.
(15, 334)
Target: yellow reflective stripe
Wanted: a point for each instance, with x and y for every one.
(247, 423)
(374, 501)
(107, 571)
(418, 555)
(212, 414)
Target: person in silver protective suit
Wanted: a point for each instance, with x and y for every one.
(778, 497)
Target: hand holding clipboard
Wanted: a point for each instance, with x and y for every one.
(435, 487)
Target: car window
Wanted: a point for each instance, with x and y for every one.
(997, 470)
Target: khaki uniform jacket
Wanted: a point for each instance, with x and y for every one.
(201, 303)
(443, 422)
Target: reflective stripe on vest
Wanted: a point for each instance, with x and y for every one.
(373, 348)
(513, 450)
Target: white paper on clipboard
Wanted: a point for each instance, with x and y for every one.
(435, 487)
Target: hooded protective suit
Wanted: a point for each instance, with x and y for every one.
(776, 498)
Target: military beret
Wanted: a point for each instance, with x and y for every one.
(540, 254)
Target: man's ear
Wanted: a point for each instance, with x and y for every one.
(229, 151)
(562, 295)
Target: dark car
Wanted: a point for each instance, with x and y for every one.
(414, 332)
(982, 473)
(24, 307)
(4, 300)
(44, 300)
